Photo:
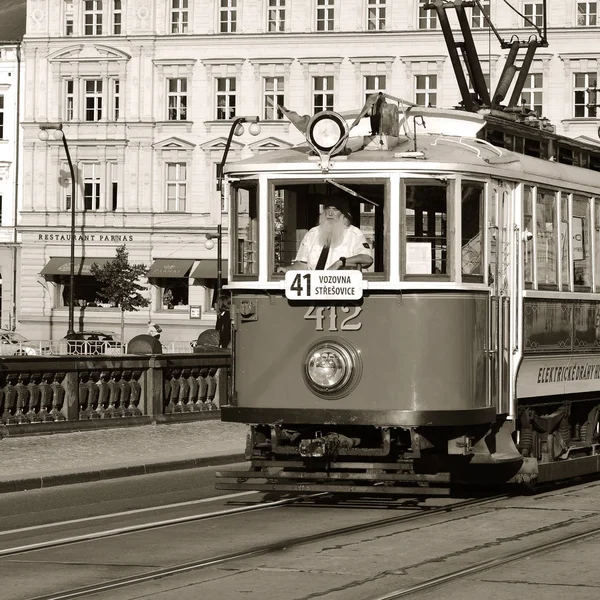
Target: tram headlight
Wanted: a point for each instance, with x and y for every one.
(332, 368)
(327, 132)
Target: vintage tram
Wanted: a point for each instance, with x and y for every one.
(469, 351)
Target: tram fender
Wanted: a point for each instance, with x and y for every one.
(496, 447)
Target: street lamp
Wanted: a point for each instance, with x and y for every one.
(59, 134)
(238, 129)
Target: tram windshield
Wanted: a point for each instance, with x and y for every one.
(298, 215)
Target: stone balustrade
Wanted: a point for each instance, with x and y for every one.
(147, 388)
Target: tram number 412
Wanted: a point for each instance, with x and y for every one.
(317, 313)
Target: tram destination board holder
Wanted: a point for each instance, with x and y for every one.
(323, 285)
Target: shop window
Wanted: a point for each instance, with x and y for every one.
(174, 292)
(86, 292)
(299, 219)
(426, 246)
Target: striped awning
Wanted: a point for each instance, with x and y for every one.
(62, 266)
(207, 269)
(170, 267)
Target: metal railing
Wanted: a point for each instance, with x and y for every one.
(82, 348)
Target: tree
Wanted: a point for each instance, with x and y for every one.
(121, 284)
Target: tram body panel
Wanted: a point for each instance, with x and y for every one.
(419, 352)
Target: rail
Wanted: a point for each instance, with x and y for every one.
(82, 348)
(47, 392)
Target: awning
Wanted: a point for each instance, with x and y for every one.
(207, 269)
(62, 266)
(170, 267)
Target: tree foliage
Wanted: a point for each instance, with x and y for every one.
(120, 279)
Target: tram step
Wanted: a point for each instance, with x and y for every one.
(379, 490)
(336, 475)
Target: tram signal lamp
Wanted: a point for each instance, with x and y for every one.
(327, 133)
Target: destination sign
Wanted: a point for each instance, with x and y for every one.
(323, 285)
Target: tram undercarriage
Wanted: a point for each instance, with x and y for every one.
(553, 441)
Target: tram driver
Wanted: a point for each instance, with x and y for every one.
(334, 243)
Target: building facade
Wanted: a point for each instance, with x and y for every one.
(147, 90)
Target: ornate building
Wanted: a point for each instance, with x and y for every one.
(147, 90)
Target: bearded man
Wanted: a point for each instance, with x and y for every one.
(335, 243)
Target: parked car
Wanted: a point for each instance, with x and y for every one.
(14, 344)
(93, 342)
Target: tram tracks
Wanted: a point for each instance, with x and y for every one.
(487, 565)
(138, 579)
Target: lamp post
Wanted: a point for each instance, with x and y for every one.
(236, 129)
(59, 134)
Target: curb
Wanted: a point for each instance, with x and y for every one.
(67, 478)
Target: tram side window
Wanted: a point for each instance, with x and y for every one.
(297, 210)
(528, 244)
(582, 263)
(546, 239)
(472, 243)
(597, 242)
(246, 221)
(426, 248)
(565, 259)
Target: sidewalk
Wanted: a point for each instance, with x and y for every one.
(57, 459)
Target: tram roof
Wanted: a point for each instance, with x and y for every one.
(435, 151)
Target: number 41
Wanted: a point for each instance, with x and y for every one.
(317, 313)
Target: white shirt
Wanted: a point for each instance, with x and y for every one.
(354, 243)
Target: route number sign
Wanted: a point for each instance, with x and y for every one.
(323, 285)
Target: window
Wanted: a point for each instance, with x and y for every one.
(472, 231)
(175, 292)
(114, 186)
(179, 16)
(534, 11)
(374, 84)
(322, 93)
(325, 13)
(582, 260)
(276, 15)
(427, 18)
(1, 117)
(273, 96)
(565, 260)
(117, 17)
(546, 238)
(478, 17)
(585, 84)
(91, 186)
(298, 222)
(587, 14)
(376, 15)
(531, 95)
(65, 183)
(177, 98)
(92, 17)
(226, 96)
(528, 227)
(116, 98)
(69, 100)
(93, 99)
(426, 247)
(0, 210)
(246, 216)
(228, 16)
(176, 186)
(426, 90)
(68, 7)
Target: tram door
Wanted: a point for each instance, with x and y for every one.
(500, 251)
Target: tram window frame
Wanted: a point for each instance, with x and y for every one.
(548, 193)
(566, 260)
(583, 254)
(237, 249)
(450, 186)
(473, 184)
(379, 239)
(529, 247)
